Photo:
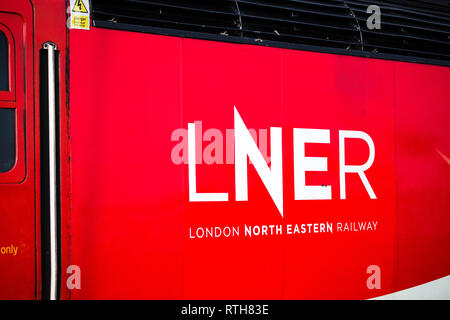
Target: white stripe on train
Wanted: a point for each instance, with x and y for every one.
(434, 290)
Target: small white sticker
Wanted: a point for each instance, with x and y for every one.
(79, 14)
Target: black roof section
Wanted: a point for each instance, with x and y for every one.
(411, 30)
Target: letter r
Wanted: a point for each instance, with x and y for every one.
(360, 169)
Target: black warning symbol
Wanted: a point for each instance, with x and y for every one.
(79, 7)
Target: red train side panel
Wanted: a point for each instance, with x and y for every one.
(132, 224)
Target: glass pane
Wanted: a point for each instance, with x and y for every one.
(7, 139)
(4, 78)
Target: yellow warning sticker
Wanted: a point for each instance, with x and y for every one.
(79, 15)
(80, 22)
(79, 7)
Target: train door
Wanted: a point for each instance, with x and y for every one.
(18, 273)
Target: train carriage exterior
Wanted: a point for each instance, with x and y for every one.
(224, 150)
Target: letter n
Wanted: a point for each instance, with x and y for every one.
(244, 147)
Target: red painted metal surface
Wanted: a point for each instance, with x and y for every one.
(131, 212)
(125, 209)
(423, 173)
